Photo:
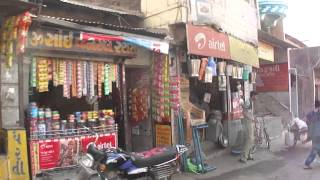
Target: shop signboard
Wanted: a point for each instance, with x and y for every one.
(265, 51)
(205, 41)
(70, 41)
(17, 160)
(243, 52)
(236, 17)
(153, 45)
(272, 77)
(163, 135)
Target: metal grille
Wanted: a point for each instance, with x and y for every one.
(43, 135)
(163, 172)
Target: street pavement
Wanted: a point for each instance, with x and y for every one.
(278, 163)
(288, 165)
(269, 165)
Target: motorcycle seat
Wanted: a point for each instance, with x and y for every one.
(154, 156)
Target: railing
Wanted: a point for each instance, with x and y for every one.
(43, 135)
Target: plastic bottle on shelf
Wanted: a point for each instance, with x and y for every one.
(41, 128)
(209, 71)
(33, 118)
(56, 128)
(71, 124)
(48, 121)
(63, 125)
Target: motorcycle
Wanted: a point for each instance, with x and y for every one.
(157, 163)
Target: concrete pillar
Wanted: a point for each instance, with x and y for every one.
(9, 98)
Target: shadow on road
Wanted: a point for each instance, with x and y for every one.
(264, 167)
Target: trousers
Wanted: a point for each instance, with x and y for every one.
(312, 156)
(249, 138)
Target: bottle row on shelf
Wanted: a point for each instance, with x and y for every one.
(44, 123)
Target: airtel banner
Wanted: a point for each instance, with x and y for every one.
(205, 41)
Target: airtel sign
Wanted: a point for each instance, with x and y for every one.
(205, 41)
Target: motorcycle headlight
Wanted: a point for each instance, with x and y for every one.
(87, 160)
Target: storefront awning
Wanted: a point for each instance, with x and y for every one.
(151, 43)
(243, 52)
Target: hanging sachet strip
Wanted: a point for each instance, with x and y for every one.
(68, 75)
(50, 72)
(79, 79)
(106, 79)
(85, 78)
(100, 78)
(91, 80)
(88, 78)
(95, 73)
(42, 69)
(74, 79)
(166, 89)
(55, 69)
(24, 24)
(111, 75)
(62, 72)
(33, 73)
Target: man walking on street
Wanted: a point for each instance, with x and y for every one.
(247, 123)
(313, 121)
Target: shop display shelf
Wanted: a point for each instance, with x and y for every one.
(43, 135)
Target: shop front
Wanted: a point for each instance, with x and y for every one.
(221, 77)
(74, 82)
(247, 56)
(71, 80)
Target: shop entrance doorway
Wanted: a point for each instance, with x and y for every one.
(138, 93)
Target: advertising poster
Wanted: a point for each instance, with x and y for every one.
(63, 152)
(69, 149)
(104, 141)
(49, 152)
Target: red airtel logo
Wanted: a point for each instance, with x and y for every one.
(200, 39)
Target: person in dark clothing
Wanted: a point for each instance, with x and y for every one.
(313, 121)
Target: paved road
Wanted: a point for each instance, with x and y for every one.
(281, 165)
(288, 165)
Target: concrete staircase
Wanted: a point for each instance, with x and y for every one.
(269, 104)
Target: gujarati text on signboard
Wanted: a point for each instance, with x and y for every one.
(58, 39)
